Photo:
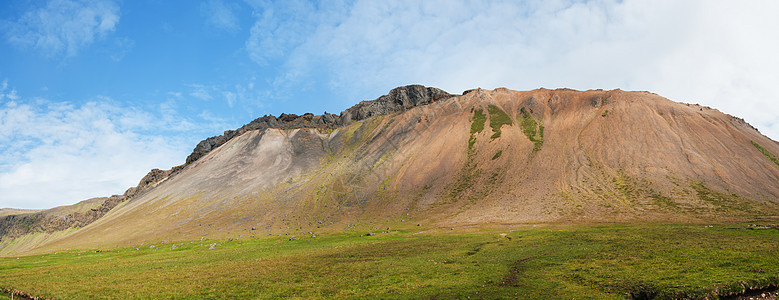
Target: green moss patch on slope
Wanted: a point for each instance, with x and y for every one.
(534, 130)
(497, 154)
(477, 125)
(498, 118)
(767, 153)
(468, 173)
(467, 183)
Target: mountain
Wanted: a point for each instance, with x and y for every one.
(421, 155)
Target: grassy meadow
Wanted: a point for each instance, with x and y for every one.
(573, 261)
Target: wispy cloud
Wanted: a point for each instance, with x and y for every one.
(221, 15)
(710, 52)
(243, 94)
(56, 153)
(283, 28)
(230, 97)
(201, 92)
(63, 27)
(5, 93)
(120, 48)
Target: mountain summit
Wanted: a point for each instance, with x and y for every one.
(422, 155)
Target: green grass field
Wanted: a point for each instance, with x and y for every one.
(575, 261)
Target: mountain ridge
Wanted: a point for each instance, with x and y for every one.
(539, 156)
(400, 98)
(15, 223)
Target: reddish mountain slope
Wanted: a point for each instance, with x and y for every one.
(484, 157)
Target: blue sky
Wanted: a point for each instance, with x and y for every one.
(95, 93)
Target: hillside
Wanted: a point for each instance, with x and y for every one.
(420, 155)
(16, 211)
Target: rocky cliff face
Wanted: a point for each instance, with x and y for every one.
(14, 226)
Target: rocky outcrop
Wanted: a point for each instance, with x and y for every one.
(150, 180)
(398, 99)
(13, 226)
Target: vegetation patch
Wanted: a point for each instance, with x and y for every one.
(723, 201)
(665, 261)
(498, 118)
(767, 153)
(534, 130)
(635, 190)
(497, 154)
(326, 130)
(469, 172)
(477, 125)
(464, 181)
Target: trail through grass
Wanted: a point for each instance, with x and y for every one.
(614, 261)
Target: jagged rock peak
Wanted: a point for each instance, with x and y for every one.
(398, 99)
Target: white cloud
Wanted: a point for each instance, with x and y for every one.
(230, 97)
(281, 28)
(60, 153)
(717, 53)
(64, 26)
(12, 95)
(221, 15)
(5, 93)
